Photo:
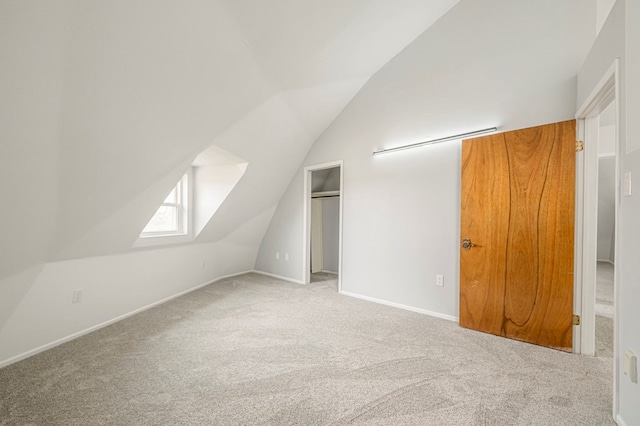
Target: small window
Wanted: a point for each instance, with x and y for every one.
(171, 218)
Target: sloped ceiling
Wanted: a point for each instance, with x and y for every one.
(32, 51)
(149, 84)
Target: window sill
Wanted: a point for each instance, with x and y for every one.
(161, 240)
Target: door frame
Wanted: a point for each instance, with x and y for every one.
(306, 223)
(606, 91)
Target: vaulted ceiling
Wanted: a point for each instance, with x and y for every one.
(123, 95)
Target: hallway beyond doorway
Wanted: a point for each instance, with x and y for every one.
(604, 310)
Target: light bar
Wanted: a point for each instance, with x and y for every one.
(439, 140)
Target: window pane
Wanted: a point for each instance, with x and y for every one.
(165, 220)
(172, 197)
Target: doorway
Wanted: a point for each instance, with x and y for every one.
(598, 111)
(323, 223)
(605, 240)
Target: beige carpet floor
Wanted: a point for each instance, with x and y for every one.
(253, 350)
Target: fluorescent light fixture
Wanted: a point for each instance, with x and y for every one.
(439, 140)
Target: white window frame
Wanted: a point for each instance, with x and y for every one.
(183, 210)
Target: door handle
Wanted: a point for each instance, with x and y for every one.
(467, 244)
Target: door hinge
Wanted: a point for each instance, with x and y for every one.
(576, 320)
(579, 146)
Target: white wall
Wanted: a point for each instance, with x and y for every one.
(603, 8)
(211, 186)
(606, 185)
(401, 210)
(41, 311)
(284, 235)
(36, 310)
(606, 140)
(332, 183)
(606, 208)
(325, 180)
(629, 232)
(330, 233)
(619, 38)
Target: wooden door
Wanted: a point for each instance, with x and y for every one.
(516, 274)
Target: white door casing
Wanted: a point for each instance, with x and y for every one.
(605, 92)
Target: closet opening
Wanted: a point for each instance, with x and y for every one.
(323, 224)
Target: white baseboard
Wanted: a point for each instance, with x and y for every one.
(280, 277)
(405, 307)
(70, 337)
(605, 260)
(620, 421)
(329, 272)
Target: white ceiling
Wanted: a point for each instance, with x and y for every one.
(148, 85)
(303, 44)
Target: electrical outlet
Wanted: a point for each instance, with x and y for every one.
(77, 296)
(440, 280)
(286, 257)
(277, 255)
